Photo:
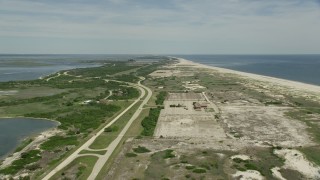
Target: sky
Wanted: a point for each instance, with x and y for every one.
(160, 26)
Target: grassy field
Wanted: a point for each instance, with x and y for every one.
(134, 131)
(106, 138)
(80, 168)
(102, 152)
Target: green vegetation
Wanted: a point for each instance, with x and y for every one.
(80, 118)
(161, 97)
(31, 100)
(64, 102)
(305, 115)
(102, 152)
(211, 164)
(239, 160)
(168, 154)
(22, 145)
(111, 129)
(56, 142)
(251, 166)
(131, 154)
(190, 167)
(291, 174)
(112, 68)
(127, 78)
(264, 160)
(82, 166)
(134, 131)
(312, 154)
(106, 138)
(125, 93)
(149, 123)
(198, 170)
(141, 149)
(273, 103)
(24, 162)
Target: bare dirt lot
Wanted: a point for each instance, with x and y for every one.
(179, 119)
(169, 73)
(265, 124)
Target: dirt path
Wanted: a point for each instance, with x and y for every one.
(214, 106)
(110, 94)
(59, 74)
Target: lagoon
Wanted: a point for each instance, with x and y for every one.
(14, 130)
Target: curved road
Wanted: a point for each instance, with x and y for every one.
(104, 158)
(101, 161)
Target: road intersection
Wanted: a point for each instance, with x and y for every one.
(102, 159)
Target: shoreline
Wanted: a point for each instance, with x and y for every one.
(283, 82)
(46, 119)
(37, 137)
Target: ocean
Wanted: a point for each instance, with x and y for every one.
(301, 68)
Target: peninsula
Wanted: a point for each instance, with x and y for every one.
(166, 118)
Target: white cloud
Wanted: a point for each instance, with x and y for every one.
(212, 25)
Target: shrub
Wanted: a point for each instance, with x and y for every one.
(149, 123)
(141, 149)
(19, 164)
(190, 167)
(198, 170)
(161, 97)
(131, 155)
(168, 154)
(239, 160)
(250, 166)
(59, 141)
(111, 129)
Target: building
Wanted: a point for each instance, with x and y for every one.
(198, 106)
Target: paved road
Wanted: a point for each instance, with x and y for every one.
(102, 159)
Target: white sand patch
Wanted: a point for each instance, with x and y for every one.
(221, 155)
(8, 92)
(277, 174)
(241, 156)
(192, 86)
(296, 161)
(248, 175)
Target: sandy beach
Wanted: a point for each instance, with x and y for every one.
(282, 82)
